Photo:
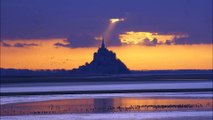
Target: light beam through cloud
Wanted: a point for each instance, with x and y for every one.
(113, 22)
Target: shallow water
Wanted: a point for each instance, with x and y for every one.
(60, 87)
(106, 105)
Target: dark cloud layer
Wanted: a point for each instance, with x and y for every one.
(153, 42)
(19, 45)
(75, 41)
(32, 19)
(85, 40)
(4, 44)
(25, 45)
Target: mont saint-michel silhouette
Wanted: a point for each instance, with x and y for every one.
(104, 61)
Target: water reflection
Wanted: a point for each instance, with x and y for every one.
(106, 105)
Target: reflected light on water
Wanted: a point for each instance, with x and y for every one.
(106, 105)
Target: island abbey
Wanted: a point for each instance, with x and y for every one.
(104, 62)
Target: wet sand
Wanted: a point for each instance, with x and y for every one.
(176, 115)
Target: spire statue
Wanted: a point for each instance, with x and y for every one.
(103, 44)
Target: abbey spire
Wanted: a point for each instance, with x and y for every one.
(103, 44)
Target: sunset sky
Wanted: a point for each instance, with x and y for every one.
(64, 34)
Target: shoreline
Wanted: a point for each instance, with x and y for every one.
(104, 91)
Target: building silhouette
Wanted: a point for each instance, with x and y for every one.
(105, 62)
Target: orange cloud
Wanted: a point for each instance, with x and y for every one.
(144, 37)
